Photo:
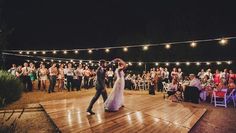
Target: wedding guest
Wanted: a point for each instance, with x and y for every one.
(38, 76)
(201, 74)
(69, 76)
(26, 78)
(160, 79)
(180, 74)
(92, 78)
(32, 74)
(191, 92)
(86, 77)
(43, 73)
(210, 75)
(232, 75)
(174, 73)
(225, 75)
(79, 74)
(166, 75)
(221, 85)
(53, 77)
(110, 75)
(173, 87)
(152, 87)
(19, 72)
(231, 85)
(13, 69)
(216, 77)
(61, 77)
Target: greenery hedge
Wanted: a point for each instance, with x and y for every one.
(11, 88)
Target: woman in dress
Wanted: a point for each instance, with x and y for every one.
(116, 98)
(43, 73)
(61, 78)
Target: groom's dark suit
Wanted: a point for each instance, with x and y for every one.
(100, 87)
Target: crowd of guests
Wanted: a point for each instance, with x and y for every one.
(70, 77)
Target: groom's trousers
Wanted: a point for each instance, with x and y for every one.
(95, 98)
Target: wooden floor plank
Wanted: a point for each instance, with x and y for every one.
(142, 113)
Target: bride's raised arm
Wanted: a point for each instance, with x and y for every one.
(121, 62)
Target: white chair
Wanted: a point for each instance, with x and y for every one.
(231, 96)
(165, 87)
(216, 97)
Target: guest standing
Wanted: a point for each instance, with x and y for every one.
(69, 76)
(43, 73)
(110, 75)
(26, 78)
(53, 77)
(61, 77)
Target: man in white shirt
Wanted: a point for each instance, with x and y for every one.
(26, 78)
(12, 70)
(191, 92)
(110, 75)
(195, 82)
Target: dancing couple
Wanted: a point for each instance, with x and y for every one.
(116, 98)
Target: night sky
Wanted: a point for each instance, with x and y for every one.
(61, 24)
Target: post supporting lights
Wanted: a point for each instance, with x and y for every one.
(125, 49)
(145, 48)
(167, 46)
(107, 50)
(193, 44)
(223, 41)
(90, 51)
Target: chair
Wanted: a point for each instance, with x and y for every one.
(231, 96)
(165, 87)
(219, 95)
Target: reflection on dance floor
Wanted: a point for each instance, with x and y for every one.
(142, 113)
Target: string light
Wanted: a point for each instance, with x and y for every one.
(187, 63)
(223, 41)
(59, 61)
(43, 52)
(193, 44)
(20, 52)
(125, 49)
(229, 62)
(167, 46)
(208, 63)
(130, 64)
(156, 63)
(80, 61)
(198, 63)
(167, 64)
(145, 48)
(177, 63)
(35, 52)
(27, 52)
(67, 62)
(90, 51)
(52, 60)
(71, 60)
(44, 59)
(140, 63)
(90, 61)
(76, 51)
(107, 50)
(54, 52)
(65, 52)
(218, 63)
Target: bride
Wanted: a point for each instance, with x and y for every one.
(116, 98)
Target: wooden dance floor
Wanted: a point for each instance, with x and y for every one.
(142, 113)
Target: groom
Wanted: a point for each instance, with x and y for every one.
(100, 86)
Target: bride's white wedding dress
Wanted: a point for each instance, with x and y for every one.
(116, 98)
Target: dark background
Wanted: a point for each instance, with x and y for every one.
(61, 24)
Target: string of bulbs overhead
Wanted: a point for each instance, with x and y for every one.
(95, 62)
(145, 47)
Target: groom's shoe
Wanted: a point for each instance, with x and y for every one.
(90, 113)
